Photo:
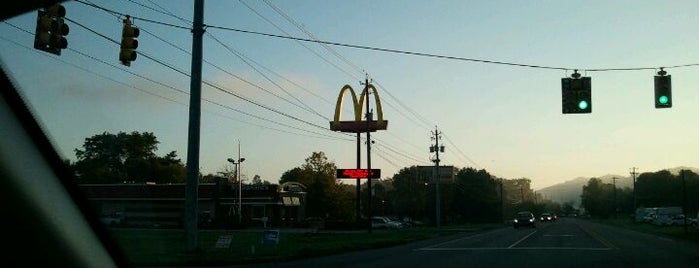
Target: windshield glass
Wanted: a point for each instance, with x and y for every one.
(246, 132)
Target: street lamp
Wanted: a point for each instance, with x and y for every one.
(240, 186)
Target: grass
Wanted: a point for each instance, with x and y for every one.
(150, 247)
(676, 232)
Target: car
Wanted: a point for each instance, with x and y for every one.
(384, 223)
(546, 217)
(524, 219)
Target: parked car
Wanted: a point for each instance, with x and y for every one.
(524, 218)
(384, 223)
(112, 220)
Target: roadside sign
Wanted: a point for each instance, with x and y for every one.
(358, 173)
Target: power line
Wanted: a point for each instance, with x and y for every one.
(430, 55)
(306, 107)
(244, 59)
(396, 51)
(299, 42)
(339, 56)
(205, 82)
(460, 152)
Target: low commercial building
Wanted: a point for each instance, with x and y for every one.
(162, 205)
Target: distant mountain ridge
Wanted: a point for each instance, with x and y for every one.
(571, 190)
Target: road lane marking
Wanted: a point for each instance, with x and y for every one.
(517, 248)
(563, 235)
(465, 238)
(520, 241)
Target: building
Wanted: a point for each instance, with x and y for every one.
(162, 205)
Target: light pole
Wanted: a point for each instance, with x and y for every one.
(240, 186)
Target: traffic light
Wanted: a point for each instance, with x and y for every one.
(576, 94)
(51, 29)
(128, 43)
(663, 90)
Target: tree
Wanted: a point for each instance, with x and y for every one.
(597, 198)
(257, 180)
(121, 157)
(325, 195)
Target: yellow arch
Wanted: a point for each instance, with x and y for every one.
(379, 110)
(338, 105)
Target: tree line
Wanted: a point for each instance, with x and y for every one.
(653, 189)
(474, 196)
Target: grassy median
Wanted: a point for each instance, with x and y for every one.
(146, 247)
(676, 232)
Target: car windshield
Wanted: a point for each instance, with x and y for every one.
(205, 133)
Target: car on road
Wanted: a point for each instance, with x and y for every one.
(546, 217)
(524, 219)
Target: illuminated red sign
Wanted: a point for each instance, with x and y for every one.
(354, 173)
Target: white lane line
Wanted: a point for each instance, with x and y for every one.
(465, 238)
(520, 241)
(518, 248)
(564, 235)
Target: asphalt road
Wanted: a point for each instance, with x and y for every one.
(565, 243)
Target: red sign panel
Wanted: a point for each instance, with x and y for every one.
(361, 173)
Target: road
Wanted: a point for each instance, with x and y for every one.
(565, 243)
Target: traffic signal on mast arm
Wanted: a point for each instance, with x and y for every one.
(663, 90)
(128, 42)
(576, 93)
(51, 29)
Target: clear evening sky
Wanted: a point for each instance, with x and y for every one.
(504, 118)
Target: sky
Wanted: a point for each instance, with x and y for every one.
(273, 97)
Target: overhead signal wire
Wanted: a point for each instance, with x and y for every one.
(321, 135)
(222, 89)
(395, 51)
(243, 58)
(306, 107)
(460, 152)
(430, 55)
(281, 12)
(299, 42)
(205, 82)
(309, 34)
(379, 154)
(338, 55)
(238, 77)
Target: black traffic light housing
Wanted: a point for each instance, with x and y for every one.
(129, 33)
(663, 90)
(576, 94)
(51, 29)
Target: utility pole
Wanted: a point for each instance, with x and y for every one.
(240, 187)
(502, 202)
(614, 205)
(359, 181)
(436, 175)
(192, 186)
(684, 199)
(633, 176)
(369, 117)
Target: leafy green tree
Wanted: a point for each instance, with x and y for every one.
(116, 158)
(325, 195)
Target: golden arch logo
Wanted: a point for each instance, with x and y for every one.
(357, 125)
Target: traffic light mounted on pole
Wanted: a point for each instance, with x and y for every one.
(129, 43)
(51, 29)
(576, 93)
(663, 90)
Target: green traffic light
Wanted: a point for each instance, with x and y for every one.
(663, 99)
(582, 105)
